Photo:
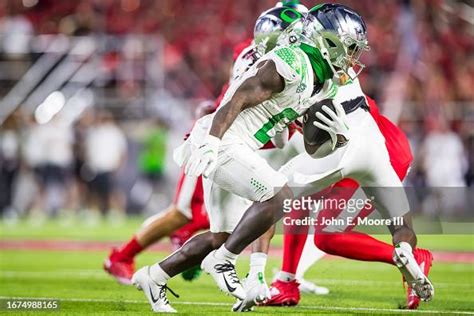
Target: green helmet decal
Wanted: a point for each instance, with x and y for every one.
(289, 3)
(316, 7)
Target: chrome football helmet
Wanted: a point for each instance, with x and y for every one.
(340, 34)
(272, 22)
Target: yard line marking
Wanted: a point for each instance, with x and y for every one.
(39, 274)
(316, 307)
(387, 310)
(101, 300)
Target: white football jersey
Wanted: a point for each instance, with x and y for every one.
(257, 125)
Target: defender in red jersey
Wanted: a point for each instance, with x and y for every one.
(352, 245)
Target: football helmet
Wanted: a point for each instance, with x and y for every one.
(340, 34)
(272, 22)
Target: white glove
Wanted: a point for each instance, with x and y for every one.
(182, 153)
(257, 292)
(336, 126)
(281, 139)
(203, 160)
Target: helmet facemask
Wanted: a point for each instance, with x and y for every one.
(354, 49)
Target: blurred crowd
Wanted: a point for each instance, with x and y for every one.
(420, 69)
(200, 35)
(56, 168)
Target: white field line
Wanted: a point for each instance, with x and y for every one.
(310, 307)
(97, 274)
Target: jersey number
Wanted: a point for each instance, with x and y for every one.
(262, 134)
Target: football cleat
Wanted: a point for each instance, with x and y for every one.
(311, 288)
(284, 293)
(154, 292)
(424, 258)
(257, 292)
(411, 271)
(224, 274)
(121, 270)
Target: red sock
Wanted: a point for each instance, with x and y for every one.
(355, 246)
(293, 242)
(293, 245)
(128, 251)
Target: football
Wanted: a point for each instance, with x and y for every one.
(317, 141)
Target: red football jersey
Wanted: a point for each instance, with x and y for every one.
(395, 140)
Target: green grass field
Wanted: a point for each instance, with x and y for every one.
(77, 279)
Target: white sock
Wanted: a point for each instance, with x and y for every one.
(158, 274)
(223, 254)
(285, 276)
(412, 266)
(406, 246)
(258, 261)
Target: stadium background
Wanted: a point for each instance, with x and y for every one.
(112, 85)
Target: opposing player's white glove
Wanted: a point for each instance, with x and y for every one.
(257, 292)
(203, 160)
(335, 126)
(182, 153)
(281, 139)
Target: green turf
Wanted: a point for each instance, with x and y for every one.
(73, 229)
(75, 277)
(77, 230)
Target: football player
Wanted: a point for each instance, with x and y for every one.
(186, 215)
(340, 37)
(150, 278)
